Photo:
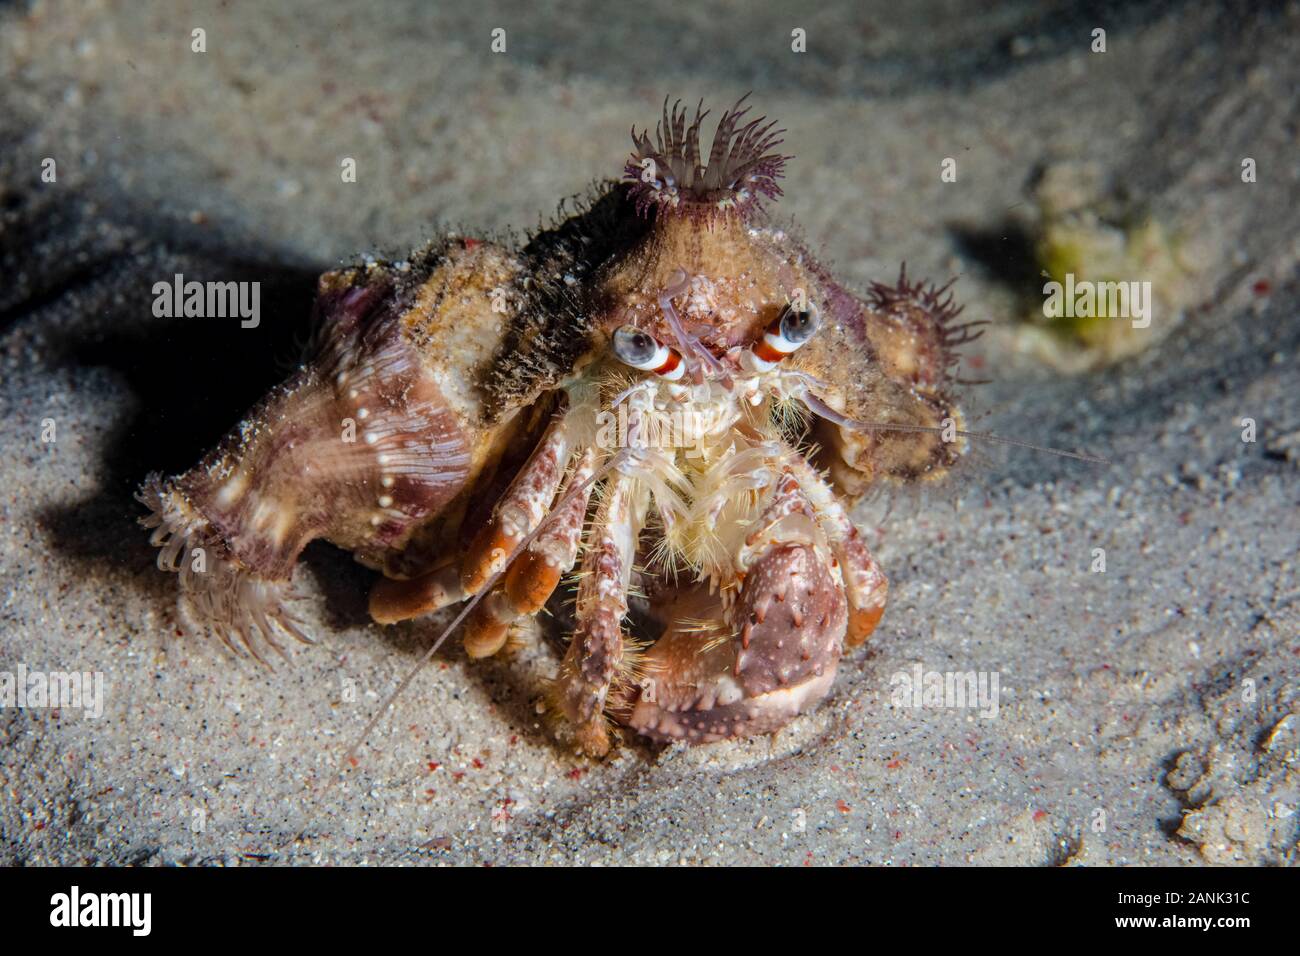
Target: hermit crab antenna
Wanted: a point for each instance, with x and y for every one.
(691, 346)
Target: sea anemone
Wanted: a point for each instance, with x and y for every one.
(742, 169)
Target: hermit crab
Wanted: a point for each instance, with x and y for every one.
(663, 397)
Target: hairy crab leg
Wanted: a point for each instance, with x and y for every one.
(393, 600)
(521, 509)
(518, 512)
(776, 647)
(596, 654)
(865, 584)
(534, 575)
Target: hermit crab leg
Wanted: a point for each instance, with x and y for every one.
(596, 653)
(865, 585)
(521, 510)
(534, 575)
(607, 468)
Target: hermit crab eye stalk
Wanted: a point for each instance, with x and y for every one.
(791, 329)
(643, 351)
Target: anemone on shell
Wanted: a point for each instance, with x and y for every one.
(741, 170)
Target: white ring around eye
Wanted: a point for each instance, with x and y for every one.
(655, 362)
(779, 342)
(673, 373)
(750, 361)
(628, 340)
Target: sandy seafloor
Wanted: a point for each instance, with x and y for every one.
(1148, 714)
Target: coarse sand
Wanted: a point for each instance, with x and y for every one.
(1147, 714)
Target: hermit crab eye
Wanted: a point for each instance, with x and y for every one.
(798, 327)
(787, 333)
(643, 351)
(636, 348)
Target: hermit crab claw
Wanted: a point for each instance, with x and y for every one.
(776, 647)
